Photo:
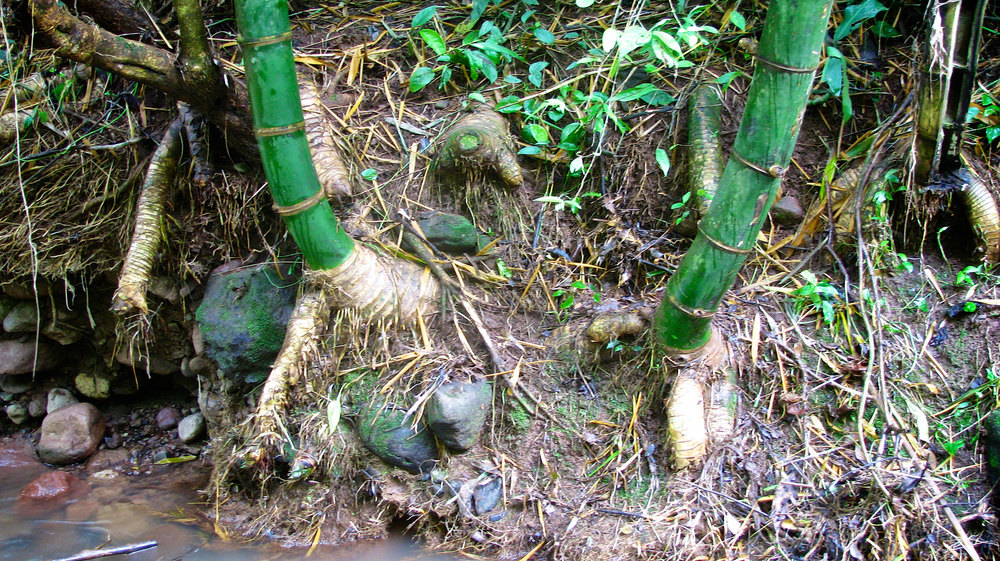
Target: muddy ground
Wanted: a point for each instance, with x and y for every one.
(857, 433)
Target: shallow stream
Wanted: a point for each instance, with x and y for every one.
(109, 509)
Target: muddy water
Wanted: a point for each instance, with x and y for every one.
(108, 510)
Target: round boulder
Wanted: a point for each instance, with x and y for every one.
(388, 433)
(456, 413)
(70, 434)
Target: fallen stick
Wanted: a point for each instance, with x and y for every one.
(98, 553)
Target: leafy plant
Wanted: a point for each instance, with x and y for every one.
(561, 202)
(818, 294)
(988, 113)
(481, 54)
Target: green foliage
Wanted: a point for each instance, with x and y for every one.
(818, 295)
(988, 113)
(562, 202)
(481, 54)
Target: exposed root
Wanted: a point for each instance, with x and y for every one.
(330, 167)
(983, 216)
(12, 124)
(586, 341)
(312, 311)
(194, 132)
(379, 287)
(693, 426)
(134, 278)
(480, 141)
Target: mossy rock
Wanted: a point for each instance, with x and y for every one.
(451, 233)
(388, 434)
(243, 319)
(456, 413)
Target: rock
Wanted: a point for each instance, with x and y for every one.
(197, 366)
(37, 405)
(167, 418)
(50, 492)
(107, 459)
(486, 495)
(211, 404)
(18, 357)
(456, 412)
(17, 456)
(22, 318)
(24, 291)
(787, 211)
(94, 386)
(242, 319)
(6, 305)
(16, 384)
(17, 413)
(64, 329)
(164, 289)
(70, 434)
(82, 511)
(388, 435)
(441, 104)
(451, 233)
(59, 398)
(191, 427)
(155, 365)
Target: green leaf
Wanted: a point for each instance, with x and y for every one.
(424, 16)
(635, 93)
(535, 73)
(488, 47)
(535, 133)
(738, 20)
(509, 104)
(579, 285)
(530, 151)
(657, 98)
(833, 70)
(369, 174)
(576, 166)
(584, 3)
(543, 35)
(609, 39)
(855, 15)
(632, 38)
(476, 96)
(421, 77)
(884, 30)
(485, 65)
(434, 41)
(511, 79)
(503, 270)
(177, 460)
(566, 303)
(663, 159)
(478, 8)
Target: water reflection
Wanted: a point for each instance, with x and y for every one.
(125, 509)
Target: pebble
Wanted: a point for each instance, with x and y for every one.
(23, 318)
(59, 398)
(191, 427)
(16, 384)
(37, 405)
(17, 413)
(167, 418)
(787, 211)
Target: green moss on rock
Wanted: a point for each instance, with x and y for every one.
(388, 434)
(243, 318)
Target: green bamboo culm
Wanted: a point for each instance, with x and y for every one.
(266, 39)
(787, 57)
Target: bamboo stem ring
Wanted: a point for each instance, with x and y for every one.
(721, 245)
(301, 206)
(775, 171)
(280, 130)
(266, 40)
(785, 67)
(688, 310)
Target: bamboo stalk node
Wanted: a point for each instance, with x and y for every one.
(280, 130)
(775, 171)
(785, 67)
(722, 246)
(265, 40)
(699, 313)
(301, 206)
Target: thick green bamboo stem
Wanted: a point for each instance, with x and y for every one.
(278, 124)
(786, 60)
